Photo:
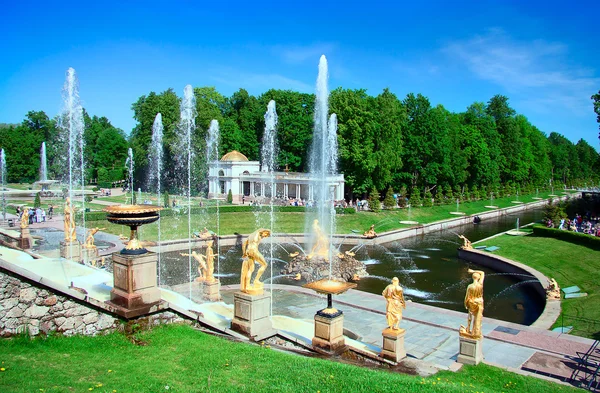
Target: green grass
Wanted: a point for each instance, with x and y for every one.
(570, 264)
(180, 359)
(176, 227)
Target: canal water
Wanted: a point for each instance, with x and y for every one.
(428, 268)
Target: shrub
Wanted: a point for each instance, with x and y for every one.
(229, 197)
(402, 196)
(103, 176)
(38, 201)
(345, 210)
(166, 200)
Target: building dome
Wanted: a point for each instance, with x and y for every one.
(234, 156)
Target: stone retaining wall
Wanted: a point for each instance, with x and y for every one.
(33, 309)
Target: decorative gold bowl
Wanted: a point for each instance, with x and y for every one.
(329, 287)
(132, 216)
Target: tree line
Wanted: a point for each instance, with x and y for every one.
(384, 142)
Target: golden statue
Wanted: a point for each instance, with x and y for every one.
(89, 240)
(25, 218)
(251, 255)
(69, 220)
(206, 264)
(370, 234)
(474, 305)
(204, 234)
(201, 264)
(394, 296)
(321, 247)
(552, 290)
(466, 243)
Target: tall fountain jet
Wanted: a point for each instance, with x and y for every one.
(3, 181)
(43, 163)
(130, 164)
(268, 158)
(185, 156)
(71, 126)
(154, 173)
(212, 156)
(323, 155)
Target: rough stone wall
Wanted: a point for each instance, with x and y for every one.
(35, 310)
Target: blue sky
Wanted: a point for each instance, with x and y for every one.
(543, 55)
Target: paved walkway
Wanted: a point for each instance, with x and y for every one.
(432, 333)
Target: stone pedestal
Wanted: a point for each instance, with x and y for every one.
(25, 241)
(329, 331)
(212, 291)
(71, 250)
(393, 344)
(134, 277)
(470, 351)
(251, 315)
(89, 254)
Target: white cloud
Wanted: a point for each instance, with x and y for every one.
(537, 73)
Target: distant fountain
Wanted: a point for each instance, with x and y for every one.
(71, 141)
(139, 197)
(323, 156)
(130, 165)
(3, 173)
(43, 165)
(154, 173)
(212, 156)
(185, 157)
(268, 156)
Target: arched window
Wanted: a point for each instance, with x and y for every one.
(221, 173)
(245, 173)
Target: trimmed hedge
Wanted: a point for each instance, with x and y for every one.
(568, 236)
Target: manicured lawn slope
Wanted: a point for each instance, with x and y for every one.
(570, 264)
(180, 359)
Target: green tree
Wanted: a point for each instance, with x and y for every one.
(374, 203)
(415, 198)
(389, 202)
(596, 100)
(427, 199)
(229, 197)
(37, 201)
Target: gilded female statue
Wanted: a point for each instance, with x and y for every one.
(25, 218)
(394, 296)
(474, 305)
(69, 221)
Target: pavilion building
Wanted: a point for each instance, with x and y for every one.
(245, 179)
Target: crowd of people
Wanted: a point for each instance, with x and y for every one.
(36, 214)
(588, 225)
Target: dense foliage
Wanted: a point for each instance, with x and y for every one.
(384, 142)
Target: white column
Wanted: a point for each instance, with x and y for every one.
(298, 191)
(285, 190)
(262, 189)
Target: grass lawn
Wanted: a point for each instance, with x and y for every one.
(180, 359)
(570, 264)
(176, 227)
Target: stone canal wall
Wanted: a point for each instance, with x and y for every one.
(31, 308)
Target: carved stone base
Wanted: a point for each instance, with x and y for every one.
(393, 344)
(71, 250)
(25, 241)
(89, 254)
(471, 351)
(212, 291)
(251, 315)
(134, 281)
(329, 332)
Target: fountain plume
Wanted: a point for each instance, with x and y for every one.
(43, 163)
(154, 174)
(323, 154)
(3, 173)
(130, 164)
